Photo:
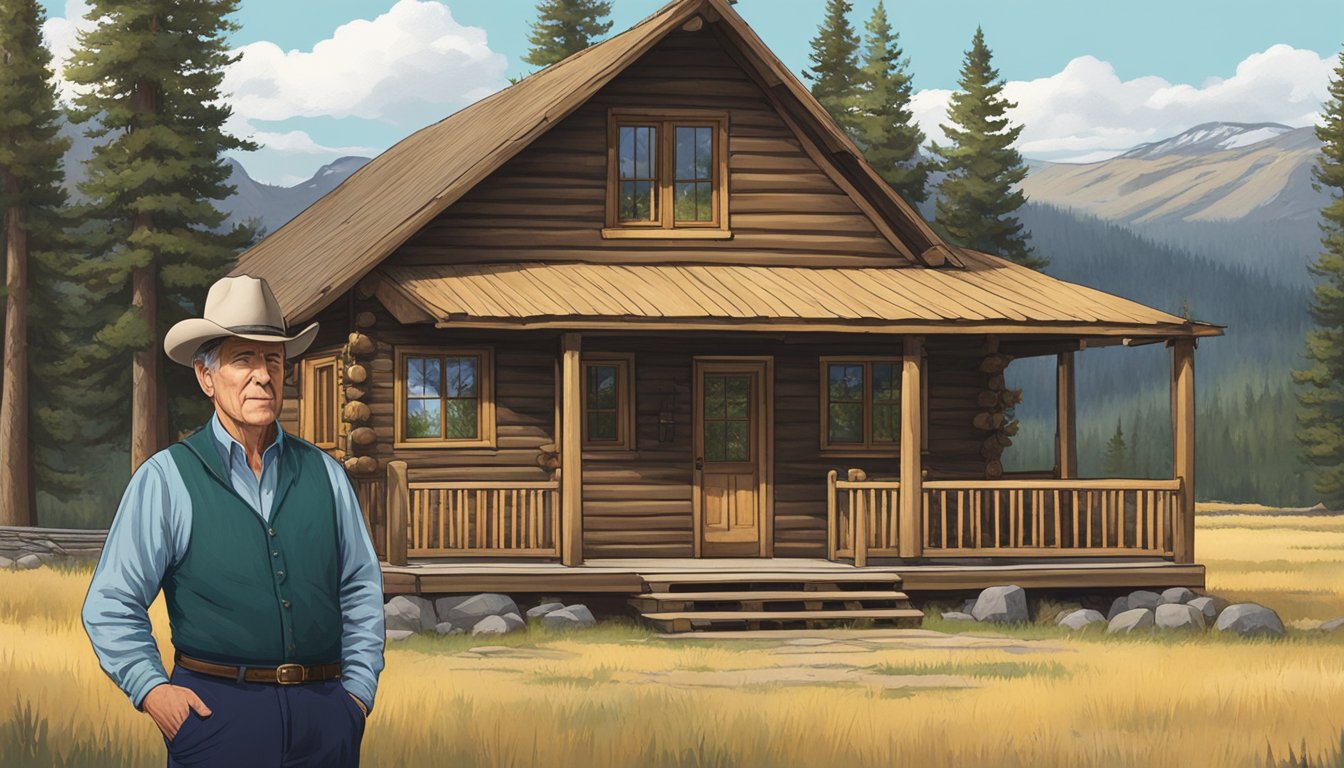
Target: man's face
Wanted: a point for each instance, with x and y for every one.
(248, 387)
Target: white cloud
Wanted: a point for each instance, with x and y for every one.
(1086, 112)
(300, 143)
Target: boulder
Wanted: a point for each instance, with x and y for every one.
(490, 625)
(514, 621)
(1130, 621)
(1250, 620)
(1333, 625)
(544, 608)
(395, 635)
(566, 618)
(28, 562)
(1142, 598)
(1081, 618)
(408, 612)
(5, 562)
(467, 610)
(1207, 607)
(1118, 607)
(447, 628)
(1176, 595)
(968, 606)
(957, 616)
(1001, 605)
(1179, 616)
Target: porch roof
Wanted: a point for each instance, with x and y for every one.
(989, 295)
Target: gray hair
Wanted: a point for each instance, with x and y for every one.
(208, 353)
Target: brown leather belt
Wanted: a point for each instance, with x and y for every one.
(285, 674)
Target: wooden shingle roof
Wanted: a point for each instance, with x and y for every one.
(989, 295)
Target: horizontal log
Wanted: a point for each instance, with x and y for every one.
(1114, 484)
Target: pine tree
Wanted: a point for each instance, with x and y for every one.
(565, 27)
(887, 130)
(151, 72)
(976, 198)
(32, 202)
(1116, 461)
(1321, 395)
(835, 66)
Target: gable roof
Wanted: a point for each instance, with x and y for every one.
(324, 250)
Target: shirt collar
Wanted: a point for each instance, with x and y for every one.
(225, 441)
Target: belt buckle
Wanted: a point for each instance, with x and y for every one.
(290, 674)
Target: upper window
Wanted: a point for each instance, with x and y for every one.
(444, 398)
(861, 403)
(667, 175)
(608, 408)
(319, 405)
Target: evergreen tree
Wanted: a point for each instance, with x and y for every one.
(976, 198)
(152, 71)
(887, 130)
(1116, 462)
(565, 27)
(1321, 415)
(835, 66)
(31, 204)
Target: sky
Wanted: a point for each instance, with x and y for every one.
(320, 79)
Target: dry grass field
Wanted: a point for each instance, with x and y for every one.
(620, 695)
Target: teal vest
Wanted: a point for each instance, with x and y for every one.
(247, 592)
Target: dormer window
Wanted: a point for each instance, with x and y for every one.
(667, 174)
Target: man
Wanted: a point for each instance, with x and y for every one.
(273, 591)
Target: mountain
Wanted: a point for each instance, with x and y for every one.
(275, 205)
(1208, 137)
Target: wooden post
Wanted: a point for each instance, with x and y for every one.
(1183, 447)
(912, 462)
(1066, 419)
(571, 456)
(830, 514)
(398, 507)
(860, 513)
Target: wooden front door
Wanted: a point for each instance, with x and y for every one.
(732, 458)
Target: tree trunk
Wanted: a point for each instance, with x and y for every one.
(146, 374)
(15, 506)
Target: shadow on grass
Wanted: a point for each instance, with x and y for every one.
(25, 743)
(1332, 759)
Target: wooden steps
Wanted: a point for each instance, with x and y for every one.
(681, 602)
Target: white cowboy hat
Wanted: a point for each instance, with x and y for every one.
(241, 306)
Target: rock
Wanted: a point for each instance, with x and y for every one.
(1176, 595)
(957, 616)
(447, 628)
(968, 606)
(567, 618)
(1333, 625)
(1179, 616)
(1118, 607)
(1002, 605)
(1207, 607)
(1079, 619)
(1130, 621)
(47, 558)
(490, 625)
(28, 562)
(1143, 599)
(466, 611)
(408, 612)
(1250, 620)
(395, 635)
(1219, 604)
(544, 608)
(5, 562)
(581, 612)
(514, 621)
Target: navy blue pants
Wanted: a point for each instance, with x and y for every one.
(265, 725)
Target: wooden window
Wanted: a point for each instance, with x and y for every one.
(861, 403)
(444, 398)
(608, 402)
(667, 174)
(319, 407)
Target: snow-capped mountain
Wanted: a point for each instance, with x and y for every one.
(1208, 137)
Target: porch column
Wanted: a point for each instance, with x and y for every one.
(1066, 419)
(398, 507)
(1183, 447)
(571, 451)
(911, 542)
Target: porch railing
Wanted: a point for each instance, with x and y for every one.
(1049, 517)
(1005, 518)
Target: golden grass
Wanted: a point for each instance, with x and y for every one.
(1072, 701)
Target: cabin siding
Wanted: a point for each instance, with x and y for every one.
(549, 201)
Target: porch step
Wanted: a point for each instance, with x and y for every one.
(680, 602)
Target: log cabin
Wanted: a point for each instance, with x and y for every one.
(645, 322)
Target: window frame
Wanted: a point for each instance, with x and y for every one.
(666, 121)
(868, 445)
(309, 367)
(485, 397)
(625, 400)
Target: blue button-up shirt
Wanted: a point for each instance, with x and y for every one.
(150, 532)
